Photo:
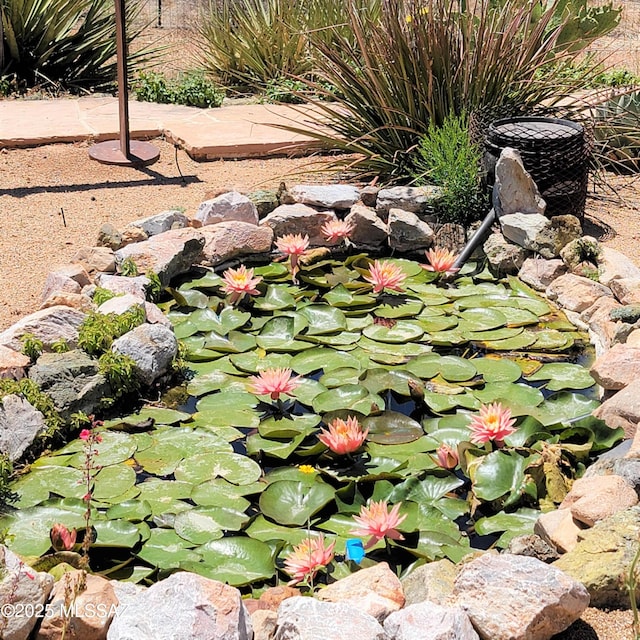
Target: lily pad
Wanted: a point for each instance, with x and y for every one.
(482, 319)
(116, 533)
(392, 427)
(563, 375)
(113, 481)
(497, 369)
(349, 396)
(456, 369)
(401, 332)
(377, 380)
(293, 503)
(165, 549)
(324, 319)
(323, 358)
(202, 524)
(233, 467)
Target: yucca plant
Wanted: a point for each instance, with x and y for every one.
(69, 44)
(422, 60)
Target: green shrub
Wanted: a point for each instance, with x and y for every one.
(6, 495)
(98, 330)
(69, 44)
(192, 89)
(422, 60)
(285, 90)
(31, 346)
(60, 346)
(120, 372)
(449, 159)
(154, 289)
(128, 268)
(101, 295)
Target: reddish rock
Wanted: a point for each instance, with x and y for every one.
(59, 283)
(131, 234)
(540, 273)
(622, 409)
(227, 240)
(79, 301)
(614, 265)
(13, 364)
(75, 271)
(626, 290)
(559, 529)
(273, 596)
(96, 259)
(633, 339)
(617, 367)
(576, 293)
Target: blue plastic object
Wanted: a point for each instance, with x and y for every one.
(355, 550)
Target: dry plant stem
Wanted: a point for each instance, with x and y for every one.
(89, 470)
(632, 583)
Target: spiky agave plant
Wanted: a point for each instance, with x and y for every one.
(66, 44)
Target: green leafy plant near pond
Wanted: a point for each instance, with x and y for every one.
(230, 490)
(192, 89)
(98, 330)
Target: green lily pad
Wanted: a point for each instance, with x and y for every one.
(264, 530)
(338, 377)
(349, 396)
(202, 524)
(113, 481)
(513, 395)
(562, 407)
(234, 560)
(160, 415)
(116, 533)
(563, 375)
(211, 280)
(229, 408)
(456, 369)
(322, 358)
(398, 307)
(277, 297)
(165, 549)
(552, 340)
(502, 473)
(215, 381)
(377, 380)
(401, 332)
(132, 510)
(324, 319)
(293, 503)
(517, 317)
(272, 270)
(62, 481)
(233, 342)
(392, 427)
(482, 319)
(503, 333)
(228, 320)
(409, 349)
(518, 523)
(234, 467)
(340, 297)
(259, 360)
(435, 324)
(520, 341)
(191, 298)
(497, 369)
(258, 446)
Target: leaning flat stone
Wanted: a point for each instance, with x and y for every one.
(376, 591)
(79, 301)
(602, 330)
(227, 208)
(49, 325)
(152, 347)
(559, 529)
(514, 190)
(626, 290)
(184, 606)
(96, 259)
(136, 286)
(168, 254)
(72, 380)
(576, 293)
(622, 409)
(13, 364)
(602, 559)
(430, 621)
(59, 283)
(432, 581)
(92, 613)
(20, 425)
(121, 304)
(420, 200)
(614, 265)
(368, 229)
(227, 240)
(332, 196)
(26, 590)
(595, 498)
(524, 228)
(310, 619)
(503, 256)
(540, 273)
(161, 222)
(617, 367)
(518, 598)
(299, 219)
(407, 232)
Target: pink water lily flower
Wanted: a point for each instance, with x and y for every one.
(62, 539)
(493, 422)
(378, 522)
(447, 457)
(240, 282)
(336, 230)
(293, 246)
(343, 436)
(274, 382)
(385, 275)
(441, 261)
(307, 558)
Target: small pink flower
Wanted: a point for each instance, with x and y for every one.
(385, 275)
(343, 436)
(293, 246)
(62, 539)
(378, 522)
(447, 457)
(494, 422)
(274, 382)
(239, 282)
(336, 230)
(86, 497)
(441, 261)
(308, 558)
(85, 434)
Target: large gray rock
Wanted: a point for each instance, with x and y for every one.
(72, 380)
(375, 590)
(430, 621)
(227, 208)
(545, 237)
(420, 200)
(161, 222)
(227, 240)
(310, 619)
(185, 606)
(152, 347)
(332, 196)
(299, 219)
(168, 254)
(614, 265)
(622, 409)
(503, 256)
(617, 367)
(20, 424)
(368, 229)
(524, 228)
(517, 597)
(136, 285)
(602, 559)
(407, 232)
(432, 581)
(514, 191)
(576, 293)
(48, 325)
(540, 273)
(24, 589)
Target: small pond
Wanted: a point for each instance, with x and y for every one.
(229, 483)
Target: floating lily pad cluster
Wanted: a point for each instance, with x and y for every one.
(226, 491)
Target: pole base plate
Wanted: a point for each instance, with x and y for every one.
(141, 154)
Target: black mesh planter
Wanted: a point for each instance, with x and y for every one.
(555, 152)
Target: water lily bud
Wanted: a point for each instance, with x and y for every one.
(447, 457)
(61, 538)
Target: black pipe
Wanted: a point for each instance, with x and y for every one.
(476, 239)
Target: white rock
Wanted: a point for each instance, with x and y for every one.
(299, 219)
(227, 208)
(227, 240)
(430, 621)
(514, 191)
(524, 228)
(407, 232)
(332, 196)
(161, 222)
(368, 229)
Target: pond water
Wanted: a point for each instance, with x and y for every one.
(227, 483)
